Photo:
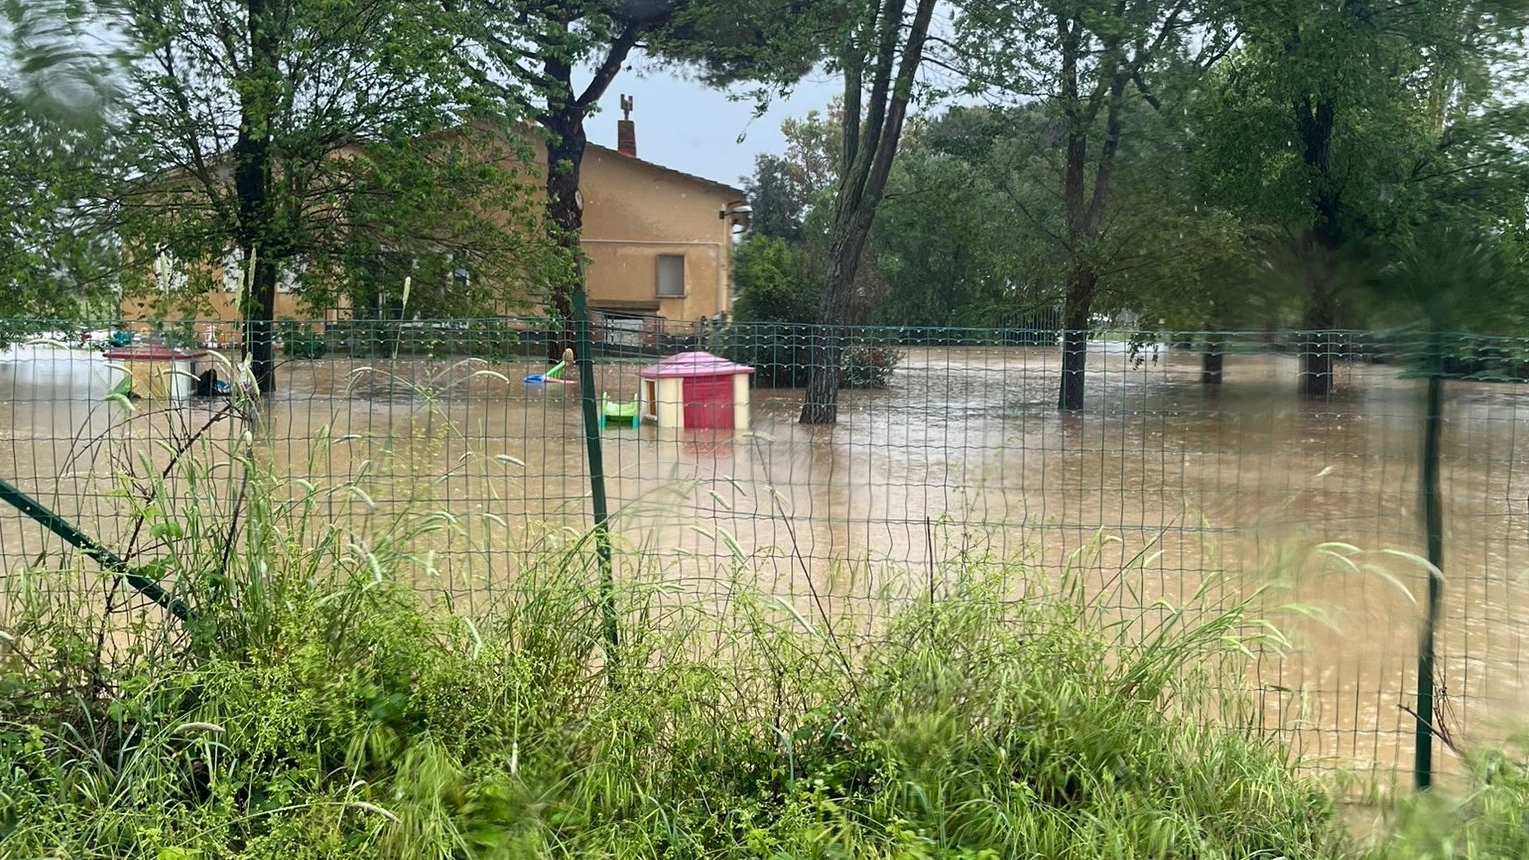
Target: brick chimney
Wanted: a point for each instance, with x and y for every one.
(626, 130)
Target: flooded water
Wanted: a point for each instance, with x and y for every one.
(964, 455)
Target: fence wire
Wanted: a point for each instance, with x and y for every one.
(949, 449)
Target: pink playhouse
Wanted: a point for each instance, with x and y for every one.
(696, 391)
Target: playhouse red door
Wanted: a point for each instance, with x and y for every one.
(709, 403)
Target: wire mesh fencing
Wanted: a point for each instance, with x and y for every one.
(1195, 462)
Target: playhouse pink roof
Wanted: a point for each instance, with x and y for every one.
(152, 352)
(694, 364)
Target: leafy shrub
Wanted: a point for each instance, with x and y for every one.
(303, 343)
(1489, 820)
(775, 281)
(781, 355)
(493, 339)
(870, 365)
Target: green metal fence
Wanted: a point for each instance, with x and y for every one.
(949, 446)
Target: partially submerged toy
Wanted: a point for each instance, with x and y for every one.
(622, 414)
(554, 374)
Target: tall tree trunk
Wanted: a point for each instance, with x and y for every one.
(1080, 296)
(1316, 121)
(1317, 335)
(259, 330)
(871, 132)
(844, 250)
(564, 121)
(1083, 209)
(261, 84)
(1212, 361)
(565, 157)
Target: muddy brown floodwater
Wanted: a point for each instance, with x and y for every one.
(964, 454)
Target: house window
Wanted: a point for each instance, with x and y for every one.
(671, 276)
(289, 276)
(168, 275)
(236, 273)
(233, 271)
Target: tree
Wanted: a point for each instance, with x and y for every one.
(532, 49)
(1088, 61)
(942, 242)
(785, 187)
(1334, 125)
(52, 265)
(879, 61)
(779, 201)
(58, 78)
(776, 281)
(277, 137)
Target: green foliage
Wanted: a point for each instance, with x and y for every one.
(1344, 131)
(302, 342)
(384, 151)
(869, 365)
(1488, 820)
(323, 709)
(781, 355)
(949, 243)
(490, 338)
(53, 264)
(775, 282)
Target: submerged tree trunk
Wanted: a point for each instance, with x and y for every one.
(565, 156)
(871, 132)
(1317, 349)
(252, 184)
(822, 403)
(1211, 362)
(259, 330)
(1080, 296)
(1316, 121)
(1083, 208)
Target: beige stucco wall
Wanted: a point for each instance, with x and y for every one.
(216, 305)
(634, 212)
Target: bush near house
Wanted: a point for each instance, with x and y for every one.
(490, 338)
(870, 365)
(301, 342)
(782, 353)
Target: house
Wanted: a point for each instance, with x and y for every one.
(658, 243)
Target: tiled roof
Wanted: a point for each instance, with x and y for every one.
(669, 170)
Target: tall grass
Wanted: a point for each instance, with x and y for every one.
(321, 707)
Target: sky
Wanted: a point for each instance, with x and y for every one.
(687, 126)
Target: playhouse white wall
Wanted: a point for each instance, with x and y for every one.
(741, 401)
(669, 404)
(671, 401)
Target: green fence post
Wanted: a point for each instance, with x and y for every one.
(103, 556)
(1433, 528)
(585, 359)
